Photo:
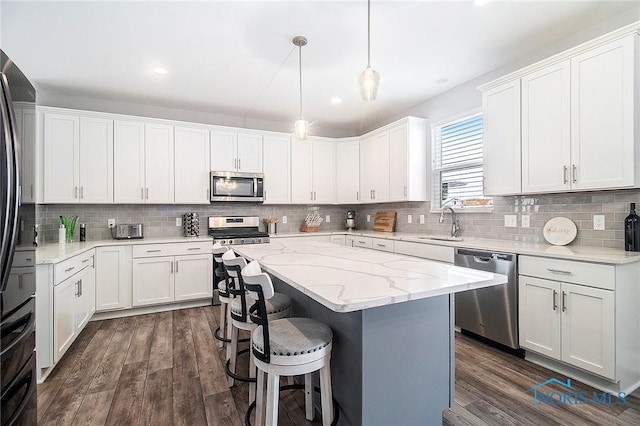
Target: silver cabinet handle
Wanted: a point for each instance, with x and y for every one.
(559, 271)
(361, 242)
(82, 192)
(405, 191)
(357, 196)
(172, 266)
(374, 194)
(564, 175)
(177, 262)
(142, 193)
(194, 248)
(555, 298)
(239, 163)
(147, 192)
(77, 293)
(153, 251)
(80, 287)
(564, 301)
(381, 245)
(86, 260)
(574, 172)
(70, 269)
(75, 192)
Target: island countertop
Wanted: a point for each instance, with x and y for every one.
(347, 279)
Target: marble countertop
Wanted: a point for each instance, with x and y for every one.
(346, 279)
(54, 253)
(569, 252)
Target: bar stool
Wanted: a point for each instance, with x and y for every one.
(287, 347)
(279, 306)
(220, 272)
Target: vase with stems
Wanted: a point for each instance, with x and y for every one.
(69, 223)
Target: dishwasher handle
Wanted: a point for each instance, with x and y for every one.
(484, 256)
(479, 259)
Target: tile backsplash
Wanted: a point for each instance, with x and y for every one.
(159, 220)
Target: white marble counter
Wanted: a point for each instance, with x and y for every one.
(54, 253)
(570, 252)
(346, 279)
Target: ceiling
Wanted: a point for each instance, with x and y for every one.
(236, 57)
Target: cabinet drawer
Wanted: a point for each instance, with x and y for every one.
(72, 266)
(171, 249)
(589, 274)
(425, 251)
(24, 259)
(364, 242)
(382, 244)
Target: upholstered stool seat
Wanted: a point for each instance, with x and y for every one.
(279, 306)
(294, 337)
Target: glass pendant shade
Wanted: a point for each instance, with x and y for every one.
(301, 129)
(369, 82)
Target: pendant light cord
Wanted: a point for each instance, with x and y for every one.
(368, 33)
(300, 69)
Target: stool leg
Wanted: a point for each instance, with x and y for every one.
(273, 394)
(229, 322)
(326, 395)
(261, 391)
(308, 396)
(223, 322)
(232, 353)
(252, 371)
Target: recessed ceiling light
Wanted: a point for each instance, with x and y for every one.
(336, 100)
(160, 70)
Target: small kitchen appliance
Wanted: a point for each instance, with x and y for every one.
(351, 220)
(126, 231)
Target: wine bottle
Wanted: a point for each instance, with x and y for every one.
(632, 230)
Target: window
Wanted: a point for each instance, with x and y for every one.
(457, 164)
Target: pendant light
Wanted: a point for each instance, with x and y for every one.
(301, 126)
(369, 78)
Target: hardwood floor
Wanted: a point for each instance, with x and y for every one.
(166, 369)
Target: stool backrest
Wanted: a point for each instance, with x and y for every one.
(219, 250)
(260, 286)
(233, 266)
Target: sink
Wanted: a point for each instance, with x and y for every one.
(440, 238)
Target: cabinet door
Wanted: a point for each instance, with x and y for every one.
(374, 168)
(501, 144)
(28, 147)
(398, 163)
(539, 315)
(64, 316)
(153, 280)
(191, 165)
(602, 116)
(128, 162)
(249, 153)
(323, 174)
(194, 277)
(159, 186)
(61, 144)
(113, 278)
(348, 172)
(276, 165)
(301, 172)
(223, 151)
(588, 327)
(96, 160)
(546, 129)
(86, 298)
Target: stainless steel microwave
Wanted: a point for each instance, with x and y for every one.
(232, 186)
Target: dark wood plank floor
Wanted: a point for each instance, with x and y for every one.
(166, 369)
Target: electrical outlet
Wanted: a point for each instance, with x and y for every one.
(510, 220)
(421, 219)
(178, 221)
(327, 218)
(409, 218)
(526, 221)
(111, 223)
(598, 222)
(368, 218)
(284, 219)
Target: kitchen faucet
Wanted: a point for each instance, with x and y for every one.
(455, 225)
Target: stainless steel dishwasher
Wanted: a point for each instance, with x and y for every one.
(490, 312)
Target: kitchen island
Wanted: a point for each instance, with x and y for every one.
(392, 318)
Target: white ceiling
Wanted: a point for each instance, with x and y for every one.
(236, 57)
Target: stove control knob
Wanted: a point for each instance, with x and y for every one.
(241, 241)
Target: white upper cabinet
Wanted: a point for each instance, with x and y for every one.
(301, 173)
(546, 130)
(191, 165)
(374, 168)
(236, 151)
(348, 171)
(78, 159)
(408, 160)
(143, 163)
(312, 172)
(276, 166)
(501, 144)
(577, 115)
(603, 96)
(323, 177)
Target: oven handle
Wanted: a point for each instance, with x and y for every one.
(29, 319)
(29, 378)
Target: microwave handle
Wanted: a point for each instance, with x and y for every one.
(255, 186)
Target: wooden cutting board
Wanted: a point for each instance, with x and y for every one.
(385, 221)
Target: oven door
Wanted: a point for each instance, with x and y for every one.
(228, 186)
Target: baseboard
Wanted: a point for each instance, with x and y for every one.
(99, 316)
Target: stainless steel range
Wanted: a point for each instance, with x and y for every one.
(235, 230)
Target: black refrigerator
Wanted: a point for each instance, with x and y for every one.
(17, 250)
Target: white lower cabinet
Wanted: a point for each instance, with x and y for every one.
(113, 278)
(573, 322)
(165, 273)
